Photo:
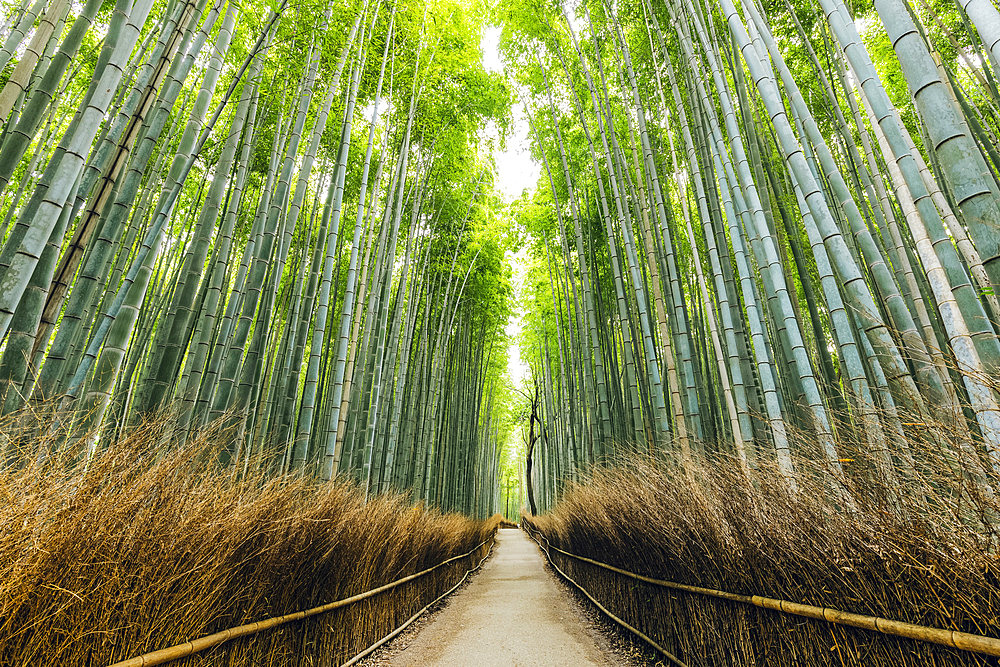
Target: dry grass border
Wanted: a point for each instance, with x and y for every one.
(143, 549)
(709, 526)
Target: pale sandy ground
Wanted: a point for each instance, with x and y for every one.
(514, 613)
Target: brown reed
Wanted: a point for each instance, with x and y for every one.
(931, 559)
(144, 548)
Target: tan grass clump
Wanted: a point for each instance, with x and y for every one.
(145, 549)
(929, 564)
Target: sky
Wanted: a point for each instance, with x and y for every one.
(515, 173)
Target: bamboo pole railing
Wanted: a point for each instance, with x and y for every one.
(636, 631)
(371, 649)
(185, 649)
(962, 641)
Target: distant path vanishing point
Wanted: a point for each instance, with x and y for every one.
(512, 614)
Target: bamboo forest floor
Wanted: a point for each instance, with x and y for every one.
(514, 612)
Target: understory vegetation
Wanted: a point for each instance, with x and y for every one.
(930, 560)
(140, 550)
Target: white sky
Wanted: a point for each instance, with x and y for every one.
(515, 173)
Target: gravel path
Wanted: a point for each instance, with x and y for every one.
(513, 613)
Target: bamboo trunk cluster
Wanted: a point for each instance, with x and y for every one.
(752, 253)
(274, 223)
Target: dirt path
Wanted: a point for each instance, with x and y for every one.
(513, 613)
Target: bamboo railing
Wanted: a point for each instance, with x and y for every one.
(636, 631)
(185, 649)
(405, 624)
(963, 641)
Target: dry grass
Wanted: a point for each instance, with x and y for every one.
(143, 550)
(932, 562)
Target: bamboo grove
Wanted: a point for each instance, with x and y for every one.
(278, 222)
(767, 233)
